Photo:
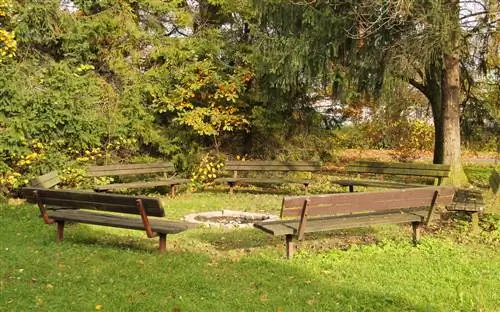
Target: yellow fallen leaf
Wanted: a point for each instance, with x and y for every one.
(98, 307)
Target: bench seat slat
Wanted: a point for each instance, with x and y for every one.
(90, 217)
(47, 180)
(387, 184)
(122, 172)
(399, 171)
(467, 200)
(261, 180)
(279, 228)
(271, 168)
(382, 164)
(265, 165)
(369, 165)
(147, 184)
(159, 165)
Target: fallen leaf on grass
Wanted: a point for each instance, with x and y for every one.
(98, 307)
(264, 297)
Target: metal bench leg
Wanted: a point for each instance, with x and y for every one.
(416, 232)
(306, 188)
(289, 246)
(60, 231)
(351, 188)
(163, 242)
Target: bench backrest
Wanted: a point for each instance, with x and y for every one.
(412, 169)
(47, 180)
(494, 181)
(272, 165)
(347, 203)
(130, 169)
(59, 199)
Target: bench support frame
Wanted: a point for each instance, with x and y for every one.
(60, 231)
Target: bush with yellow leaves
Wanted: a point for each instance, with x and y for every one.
(209, 168)
(411, 138)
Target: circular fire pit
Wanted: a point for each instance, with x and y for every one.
(228, 218)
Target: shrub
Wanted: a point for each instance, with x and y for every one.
(209, 168)
(410, 138)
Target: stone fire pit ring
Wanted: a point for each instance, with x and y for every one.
(228, 218)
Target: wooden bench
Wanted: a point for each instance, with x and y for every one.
(136, 170)
(428, 171)
(264, 166)
(471, 201)
(351, 210)
(47, 180)
(57, 206)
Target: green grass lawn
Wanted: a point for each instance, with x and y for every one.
(371, 269)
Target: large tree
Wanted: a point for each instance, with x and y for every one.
(421, 42)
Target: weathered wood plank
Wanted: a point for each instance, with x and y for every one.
(47, 180)
(147, 184)
(367, 201)
(276, 229)
(57, 199)
(130, 169)
(412, 169)
(264, 165)
(398, 171)
(283, 227)
(271, 180)
(386, 184)
(91, 217)
(434, 171)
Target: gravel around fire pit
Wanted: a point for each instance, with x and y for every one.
(228, 218)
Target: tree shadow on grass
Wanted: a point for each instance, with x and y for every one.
(108, 237)
(252, 238)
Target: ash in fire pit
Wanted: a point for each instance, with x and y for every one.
(228, 218)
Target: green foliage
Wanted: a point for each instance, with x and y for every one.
(8, 44)
(478, 175)
(479, 122)
(410, 138)
(406, 138)
(189, 83)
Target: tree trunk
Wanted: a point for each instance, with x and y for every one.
(450, 117)
(432, 90)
